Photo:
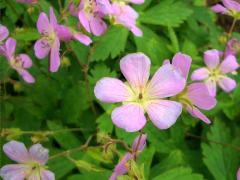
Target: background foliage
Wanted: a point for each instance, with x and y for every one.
(64, 100)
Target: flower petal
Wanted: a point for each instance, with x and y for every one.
(183, 63)
(53, 19)
(232, 5)
(136, 68)
(26, 76)
(197, 114)
(3, 33)
(166, 82)
(139, 144)
(10, 46)
(84, 39)
(227, 84)
(47, 175)
(137, 1)
(136, 30)
(218, 8)
(15, 171)
(41, 48)
(200, 97)
(238, 174)
(212, 58)
(111, 90)
(16, 151)
(43, 24)
(39, 153)
(55, 56)
(200, 74)
(27, 62)
(163, 113)
(129, 117)
(84, 21)
(229, 64)
(97, 25)
(63, 33)
(212, 87)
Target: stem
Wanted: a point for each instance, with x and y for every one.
(60, 5)
(138, 144)
(215, 142)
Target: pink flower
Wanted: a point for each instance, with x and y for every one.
(216, 72)
(238, 174)
(90, 17)
(20, 62)
(233, 47)
(121, 167)
(28, 1)
(195, 95)
(31, 163)
(140, 96)
(3, 33)
(229, 7)
(52, 33)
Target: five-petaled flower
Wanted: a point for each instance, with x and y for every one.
(229, 7)
(52, 33)
(216, 72)
(137, 147)
(138, 96)
(31, 164)
(194, 95)
(20, 62)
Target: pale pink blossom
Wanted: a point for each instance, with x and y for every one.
(230, 7)
(31, 163)
(140, 96)
(238, 174)
(20, 62)
(137, 147)
(216, 73)
(233, 47)
(3, 33)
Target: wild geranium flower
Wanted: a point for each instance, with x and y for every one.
(28, 1)
(216, 72)
(122, 167)
(31, 164)
(195, 96)
(3, 33)
(233, 47)
(20, 62)
(139, 96)
(52, 33)
(229, 7)
(91, 17)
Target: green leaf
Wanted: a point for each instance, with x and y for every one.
(220, 160)
(84, 165)
(167, 13)
(173, 37)
(91, 176)
(105, 123)
(112, 43)
(26, 34)
(180, 173)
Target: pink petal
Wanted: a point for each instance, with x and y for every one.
(26, 76)
(129, 117)
(166, 61)
(200, 97)
(84, 21)
(219, 9)
(136, 31)
(27, 62)
(166, 82)
(15, 171)
(41, 48)
(82, 38)
(104, 6)
(163, 113)
(137, 1)
(233, 5)
(111, 90)
(200, 74)
(63, 33)
(212, 58)
(197, 114)
(229, 64)
(98, 26)
(212, 87)
(238, 174)
(183, 63)
(10, 46)
(43, 24)
(230, 49)
(55, 56)
(16, 151)
(139, 145)
(47, 175)
(39, 153)
(3, 33)
(34, 176)
(227, 84)
(136, 68)
(53, 19)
